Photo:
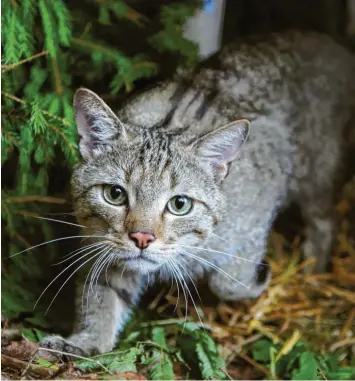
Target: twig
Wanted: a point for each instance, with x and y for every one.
(29, 364)
(76, 356)
(58, 80)
(93, 46)
(71, 147)
(226, 373)
(254, 363)
(342, 343)
(35, 198)
(7, 361)
(13, 66)
(19, 100)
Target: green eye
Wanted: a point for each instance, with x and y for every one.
(115, 194)
(180, 205)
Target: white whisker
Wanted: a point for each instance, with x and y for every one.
(95, 268)
(203, 260)
(67, 223)
(188, 290)
(112, 257)
(59, 221)
(90, 285)
(192, 281)
(68, 267)
(70, 276)
(221, 252)
(106, 259)
(56, 240)
(178, 276)
(177, 284)
(79, 251)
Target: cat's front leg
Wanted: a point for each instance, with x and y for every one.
(238, 279)
(101, 314)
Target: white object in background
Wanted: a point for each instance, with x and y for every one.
(206, 27)
(350, 29)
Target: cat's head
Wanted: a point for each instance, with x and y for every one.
(147, 195)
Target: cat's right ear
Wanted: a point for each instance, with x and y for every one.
(97, 124)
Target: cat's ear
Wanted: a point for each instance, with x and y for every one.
(220, 147)
(96, 123)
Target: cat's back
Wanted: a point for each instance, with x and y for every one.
(289, 66)
(247, 78)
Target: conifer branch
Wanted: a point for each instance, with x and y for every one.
(15, 65)
(61, 133)
(53, 127)
(92, 46)
(9, 136)
(19, 100)
(125, 11)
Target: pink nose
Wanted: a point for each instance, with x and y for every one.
(142, 239)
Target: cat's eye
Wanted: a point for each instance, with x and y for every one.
(180, 205)
(114, 194)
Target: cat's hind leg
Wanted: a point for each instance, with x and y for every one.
(318, 213)
(240, 279)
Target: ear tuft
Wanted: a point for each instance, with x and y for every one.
(96, 122)
(220, 147)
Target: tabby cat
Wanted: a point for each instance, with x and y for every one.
(186, 180)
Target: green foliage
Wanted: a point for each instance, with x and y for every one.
(32, 334)
(49, 49)
(162, 366)
(157, 349)
(116, 361)
(301, 363)
(199, 347)
(171, 37)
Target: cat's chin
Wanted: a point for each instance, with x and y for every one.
(142, 265)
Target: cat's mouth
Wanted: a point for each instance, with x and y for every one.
(141, 263)
(141, 257)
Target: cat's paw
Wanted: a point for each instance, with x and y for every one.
(59, 349)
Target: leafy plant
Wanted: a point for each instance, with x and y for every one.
(301, 362)
(199, 347)
(160, 348)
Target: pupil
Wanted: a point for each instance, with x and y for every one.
(180, 202)
(115, 192)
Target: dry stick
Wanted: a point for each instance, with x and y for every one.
(34, 198)
(29, 364)
(21, 365)
(29, 59)
(226, 373)
(76, 356)
(254, 363)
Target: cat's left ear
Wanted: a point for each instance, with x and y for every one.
(220, 147)
(97, 124)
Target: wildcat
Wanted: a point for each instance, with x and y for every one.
(186, 180)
